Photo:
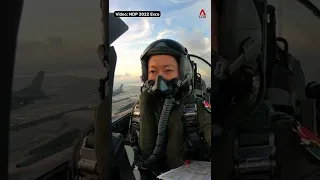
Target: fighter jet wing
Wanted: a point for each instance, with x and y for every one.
(42, 147)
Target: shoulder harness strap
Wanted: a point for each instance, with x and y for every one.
(134, 126)
(194, 144)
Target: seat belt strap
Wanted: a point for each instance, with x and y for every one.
(193, 140)
(255, 156)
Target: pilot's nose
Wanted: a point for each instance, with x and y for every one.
(161, 74)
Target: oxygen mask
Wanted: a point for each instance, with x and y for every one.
(162, 87)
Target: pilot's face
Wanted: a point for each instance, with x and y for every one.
(163, 65)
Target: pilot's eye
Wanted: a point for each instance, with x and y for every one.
(168, 70)
(152, 71)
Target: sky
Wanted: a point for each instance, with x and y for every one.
(62, 36)
(64, 39)
(179, 21)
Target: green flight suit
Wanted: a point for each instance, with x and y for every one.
(150, 110)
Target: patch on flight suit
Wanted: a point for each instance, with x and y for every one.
(310, 141)
(207, 106)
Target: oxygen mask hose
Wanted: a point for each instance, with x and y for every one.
(161, 136)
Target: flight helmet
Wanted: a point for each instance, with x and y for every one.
(173, 48)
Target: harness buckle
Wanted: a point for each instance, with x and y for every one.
(190, 115)
(255, 161)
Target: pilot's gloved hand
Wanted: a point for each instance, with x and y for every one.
(148, 123)
(146, 95)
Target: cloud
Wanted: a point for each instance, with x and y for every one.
(69, 55)
(165, 33)
(143, 31)
(196, 43)
(154, 5)
(138, 30)
(169, 20)
(127, 79)
(122, 75)
(181, 1)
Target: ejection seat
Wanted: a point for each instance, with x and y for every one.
(200, 89)
(134, 126)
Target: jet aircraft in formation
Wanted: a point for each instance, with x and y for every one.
(118, 91)
(29, 94)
